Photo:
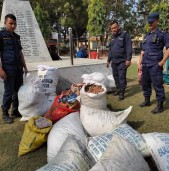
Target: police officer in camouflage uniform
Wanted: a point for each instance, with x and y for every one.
(11, 68)
(120, 54)
(151, 62)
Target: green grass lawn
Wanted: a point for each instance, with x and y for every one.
(140, 118)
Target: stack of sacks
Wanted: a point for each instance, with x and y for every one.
(36, 97)
(116, 146)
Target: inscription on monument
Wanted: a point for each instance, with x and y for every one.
(33, 44)
(26, 30)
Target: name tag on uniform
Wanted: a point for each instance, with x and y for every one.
(6, 38)
(120, 38)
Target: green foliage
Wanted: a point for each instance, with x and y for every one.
(123, 11)
(42, 19)
(163, 9)
(73, 14)
(97, 17)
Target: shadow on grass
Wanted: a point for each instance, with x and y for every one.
(112, 109)
(136, 124)
(154, 101)
(166, 106)
(132, 90)
(129, 80)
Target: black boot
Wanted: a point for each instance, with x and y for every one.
(146, 102)
(6, 118)
(15, 113)
(159, 108)
(121, 95)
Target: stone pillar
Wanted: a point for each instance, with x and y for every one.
(34, 46)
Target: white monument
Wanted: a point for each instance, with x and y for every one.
(34, 46)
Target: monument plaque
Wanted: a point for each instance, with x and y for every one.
(34, 46)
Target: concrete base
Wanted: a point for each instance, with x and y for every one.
(69, 74)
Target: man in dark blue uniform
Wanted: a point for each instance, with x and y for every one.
(151, 62)
(11, 68)
(120, 55)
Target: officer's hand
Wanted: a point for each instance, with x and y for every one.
(128, 63)
(160, 64)
(139, 67)
(2, 74)
(107, 65)
(25, 71)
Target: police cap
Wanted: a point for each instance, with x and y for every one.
(152, 17)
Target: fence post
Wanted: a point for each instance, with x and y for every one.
(71, 44)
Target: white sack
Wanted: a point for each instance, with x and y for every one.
(95, 77)
(110, 82)
(97, 145)
(121, 156)
(32, 102)
(97, 121)
(158, 144)
(49, 79)
(69, 125)
(98, 101)
(71, 157)
(40, 108)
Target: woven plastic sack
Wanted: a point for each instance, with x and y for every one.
(158, 143)
(121, 156)
(98, 101)
(59, 110)
(49, 79)
(95, 77)
(69, 125)
(97, 145)
(33, 137)
(97, 121)
(72, 156)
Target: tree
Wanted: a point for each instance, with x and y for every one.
(42, 19)
(150, 6)
(97, 17)
(144, 8)
(163, 9)
(102, 12)
(73, 14)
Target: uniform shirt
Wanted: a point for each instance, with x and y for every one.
(10, 47)
(120, 48)
(153, 45)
